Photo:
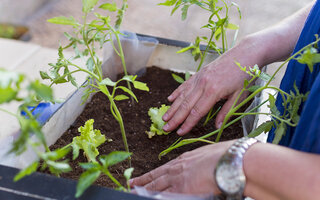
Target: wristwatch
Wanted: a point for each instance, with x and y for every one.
(229, 174)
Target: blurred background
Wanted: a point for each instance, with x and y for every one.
(143, 16)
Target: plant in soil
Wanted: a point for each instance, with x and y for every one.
(292, 101)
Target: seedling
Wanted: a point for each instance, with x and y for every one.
(155, 115)
(292, 101)
(86, 35)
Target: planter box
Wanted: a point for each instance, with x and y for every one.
(164, 56)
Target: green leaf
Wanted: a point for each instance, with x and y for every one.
(88, 141)
(191, 46)
(309, 57)
(232, 26)
(279, 133)
(128, 173)
(87, 5)
(177, 78)
(86, 179)
(184, 12)
(42, 90)
(140, 86)
(168, 3)
(58, 167)
(26, 171)
(155, 115)
(113, 158)
(108, 82)
(90, 64)
(264, 76)
(63, 21)
(112, 7)
(44, 75)
(129, 92)
(264, 127)
(187, 75)
(7, 95)
(121, 97)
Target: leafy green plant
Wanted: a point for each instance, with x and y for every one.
(155, 115)
(83, 41)
(218, 24)
(292, 101)
(95, 169)
(89, 140)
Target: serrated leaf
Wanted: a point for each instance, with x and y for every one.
(184, 12)
(177, 78)
(113, 158)
(112, 7)
(63, 21)
(90, 64)
(279, 133)
(121, 97)
(264, 127)
(168, 3)
(264, 76)
(44, 75)
(26, 171)
(88, 141)
(86, 179)
(155, 115)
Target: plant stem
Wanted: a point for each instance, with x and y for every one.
(106, 171)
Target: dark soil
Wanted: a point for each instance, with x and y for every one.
(145, 151)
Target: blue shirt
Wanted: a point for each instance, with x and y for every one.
(306, 136)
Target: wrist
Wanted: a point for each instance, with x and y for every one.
(229, 174)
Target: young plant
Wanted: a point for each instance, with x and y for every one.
(218, 24)
(95, 169)
(86, 35)
(155, 115)
(292, 101)
(89, 140)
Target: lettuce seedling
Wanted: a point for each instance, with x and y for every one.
(88, 141)
(155, 115)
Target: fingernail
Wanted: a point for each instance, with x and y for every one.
(130, 182)
(170, 98)
(166, 127)
(165, 117)
(179, 132)
(219, 124)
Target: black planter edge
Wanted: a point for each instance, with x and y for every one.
(44, 186)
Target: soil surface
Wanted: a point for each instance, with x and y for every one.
(135, 115)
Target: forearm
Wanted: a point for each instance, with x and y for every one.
(275, 172)
(272, 44)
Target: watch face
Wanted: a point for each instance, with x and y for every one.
(230, 178)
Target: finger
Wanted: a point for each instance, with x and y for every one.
(149, 177)
(226, 108)
(205, 103)
(177, 91)
(159, 184)
(182, 107)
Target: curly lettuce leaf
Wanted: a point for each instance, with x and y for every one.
(88, 141)
(155, 115)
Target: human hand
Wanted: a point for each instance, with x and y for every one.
(190, 173)
(195, 97)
